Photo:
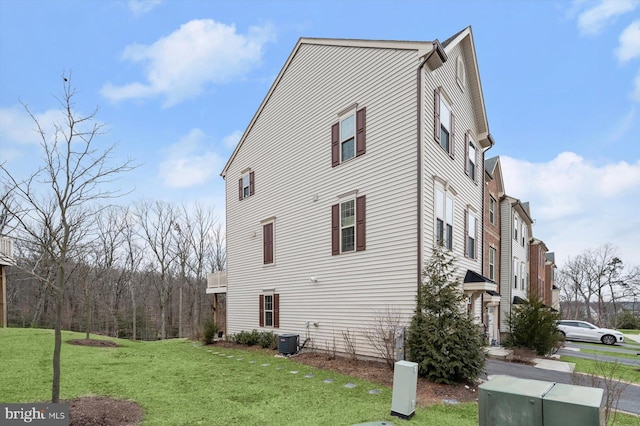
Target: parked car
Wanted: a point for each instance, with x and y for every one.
(587, 332)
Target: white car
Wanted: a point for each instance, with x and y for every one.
(585, 331)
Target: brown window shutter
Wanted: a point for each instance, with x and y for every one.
(240, 189)
(335, 144)
(267, 241)
(436, 115)
(335, 229)
(262, 310)
(276, 310)
(466, 233)
(361, 131)
(361, 232)
(466, 154)
(452, 138)
(251, 183)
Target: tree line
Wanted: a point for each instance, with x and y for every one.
(138, 273)
(598, 287)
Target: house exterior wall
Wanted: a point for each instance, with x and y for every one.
(442, 170)
(492, 230)
(289, 150)
(537, 279)
(512, 251)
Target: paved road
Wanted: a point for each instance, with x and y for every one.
(629, 400)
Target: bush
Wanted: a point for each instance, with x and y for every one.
(209, 331)
(265, 339)
(628, 321)
(442, 339)
(534, 326)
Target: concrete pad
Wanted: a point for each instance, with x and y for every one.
(498, 352)
(549, 364)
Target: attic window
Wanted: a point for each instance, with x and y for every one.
(460, 73)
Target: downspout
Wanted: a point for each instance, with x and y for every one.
(437, 49)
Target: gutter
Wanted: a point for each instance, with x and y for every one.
(434, 62)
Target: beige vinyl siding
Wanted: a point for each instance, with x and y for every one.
(289, 148)
(506, 263)
(438, 163)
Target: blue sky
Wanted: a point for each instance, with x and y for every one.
(177, 82)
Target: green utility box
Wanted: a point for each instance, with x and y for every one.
(584, 404)
(507, 400)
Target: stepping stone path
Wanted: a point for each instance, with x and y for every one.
(349, 385)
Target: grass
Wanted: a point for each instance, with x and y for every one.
(629, 331)
(177, 383)
(628, 373)
(597, 352)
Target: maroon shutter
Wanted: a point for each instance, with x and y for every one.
(335, 229)
(251, 183)
(262, 310)
(335, 144)
(452, 136)
(436, 116)
(466, 233)
(466, 154)
(267, 241)
(240, 189)
(361, 234)
(276, 310)
(361, 133)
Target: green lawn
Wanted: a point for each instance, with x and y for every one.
(629, 331)
(177, 383)
(624, 372)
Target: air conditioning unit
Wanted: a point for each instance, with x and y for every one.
(288, 344)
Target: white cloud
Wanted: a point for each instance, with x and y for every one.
(189, 162)
(629, 47)
(232, 140)
(579, 205)
(200, 53)
(593, 20)
(140, 7)
(16, 126)
(635, 94)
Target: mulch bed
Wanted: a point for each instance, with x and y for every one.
(94, 342)
(428, 393)
(102, 411)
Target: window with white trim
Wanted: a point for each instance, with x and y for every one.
(460, 73)
(515, 273)
(524, 234)
(444, 219)
(269, 309)
(471, 160)
(492, 210)
(445, 125)
(492, 263)
(515, 228)
(246, 185)
(348, 225)
(472, 227)
(523, 275)
(348, 137)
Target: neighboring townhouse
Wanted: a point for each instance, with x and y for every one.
(493, 192)
(550, 280)
(363, 155)
(6, 259)
(537, 271)
(514, 244)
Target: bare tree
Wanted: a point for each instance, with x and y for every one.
(53, 202)
(156, 222)
(596, 277)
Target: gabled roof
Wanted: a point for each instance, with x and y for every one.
(422, 47)
(520, 208)
(464, 38)
(490, 165)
